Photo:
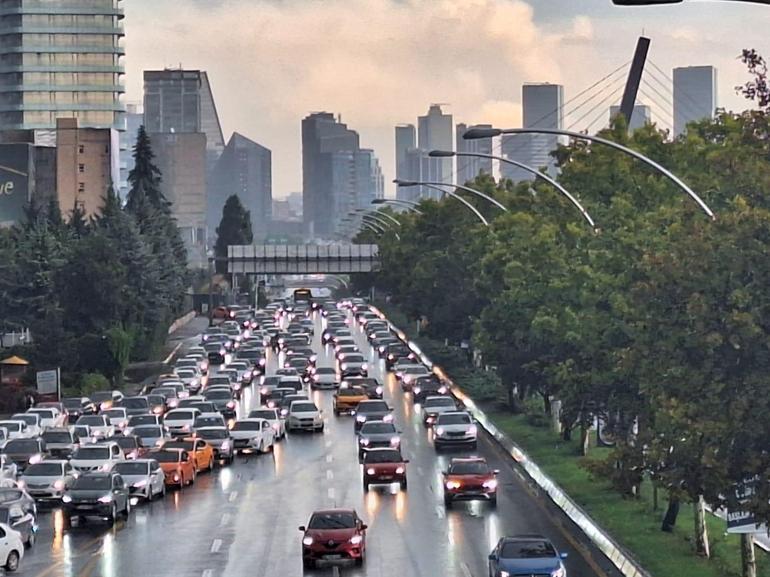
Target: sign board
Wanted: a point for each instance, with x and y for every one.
(48, 384)
(739, 521)
(14, 182)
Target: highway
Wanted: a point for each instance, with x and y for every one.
(243, 520)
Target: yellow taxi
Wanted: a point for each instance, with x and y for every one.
(346, 399)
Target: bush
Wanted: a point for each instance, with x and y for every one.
(91, 382)
(14, 399)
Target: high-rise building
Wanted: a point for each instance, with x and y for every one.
(406, 140)
(641, 115)
(134, 119)
(542, 108)
(695, 95)
(435, 132)
(329, 176)
(370, 183)
(61, 59)
(244, 170)
(85, 165)
(469, 167)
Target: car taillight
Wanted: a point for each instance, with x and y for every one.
(387, 418)
(370, 471)
(105, 499)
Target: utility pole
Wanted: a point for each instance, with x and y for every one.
(634, 79)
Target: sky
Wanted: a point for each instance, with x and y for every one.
(379, 63)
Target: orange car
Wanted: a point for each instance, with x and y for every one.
(346, 399)
(177, 466)
(201, 452)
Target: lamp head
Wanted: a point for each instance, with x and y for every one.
(476, 133)
(441, 153)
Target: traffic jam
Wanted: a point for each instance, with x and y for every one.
(98, 459)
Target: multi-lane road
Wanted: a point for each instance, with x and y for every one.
(243, 520)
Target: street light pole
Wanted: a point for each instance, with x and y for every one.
(526, 167)
(476, 133)
(406, 204)
(408, 183)
(383, 215)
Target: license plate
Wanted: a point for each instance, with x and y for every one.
(332, 557)
(386, 478)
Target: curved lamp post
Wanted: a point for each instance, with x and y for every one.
(378, 219)
(408, 183)
(473, 191)
(409, 205)
(526, 167)
(374, 212)
(475, 133)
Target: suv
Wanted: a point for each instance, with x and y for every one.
(98, 457)
(470, 480)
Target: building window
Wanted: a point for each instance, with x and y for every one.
(81, 168)
(81, 186)
(81, 149)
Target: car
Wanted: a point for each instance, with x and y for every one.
(372, 410)
(302, 364)
(177, 465)
(134, 405)
(274, 417)
(77, 406)
(200, 451)
(287, 372)
(267, 385)
(97, 494)
(24, 452)
(526, 555)
(256, 357)
(252, 435)
(11, 548)
(15, 429)
(144, 478)
(372, 386)
(179, 392)
(375, 434)
(215, 353)
(83, 434)
(97, 457)
(292, 381)
(435, 405)
(48, 479)
(353, 365)
(333, 535)
(151, 436)
(138, 420)
(180, 421)
(470, 479)
(117, 416)
(59, 442)
(190, 377)
(424, 387)
(347, 398)
(209, 420)
(220, 440)
(303, 415)
(396, 351)
(324, 378)
(344, 349)
(454, 428)
(98, 425)
(33, 421)
(223, 401)
(131, 445)
(276, 396)
(384, 466)
(50, 417)
(286, 401)
(157, 404)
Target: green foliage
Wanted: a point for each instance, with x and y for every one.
(91, 382)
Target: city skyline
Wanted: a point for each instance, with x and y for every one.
(481, 52)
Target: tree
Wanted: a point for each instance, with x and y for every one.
(234, 229)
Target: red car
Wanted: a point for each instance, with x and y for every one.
(384, 466)
(333, 535)
(470, 480)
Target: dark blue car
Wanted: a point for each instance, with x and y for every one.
(526, 555)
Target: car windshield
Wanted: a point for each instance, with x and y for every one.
(383, 456)
(377, 428)
(186, 445)
(72, 403)
(214, 434)
(125, 442)
(351, 392)
(218, 395)
(263, 414)
(527, 550)
(132, 468)
(454, 420)
(332, 520)
(146, 432)
(92, 453)
(469, 468)
(155, 400)
(92, 421)
(373, 407)
(134, 403)
(114, 414)
(89, 483)
(209, 421)
(182, 374)
(22, 446)
(101, 396)
(44, 414)
(179, 416)
(29, 419)
(12, 426)
(57, 437)
(440, 402)
(44, 470)
(303, 407)
(219, 381)
(246, 426)
(166, 456)
(271, 381)
(325, 371)
(353, 358)
(142, 420)
(165, 392)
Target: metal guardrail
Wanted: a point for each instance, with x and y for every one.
(619, 557)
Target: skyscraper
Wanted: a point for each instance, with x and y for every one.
(406, 140)
(435, 132)
(244, 169)
(370, 183)
(61, 59)
(468, 168)
(542, 108)
(641, 115)
(695, 95)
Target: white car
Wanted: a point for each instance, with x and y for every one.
(4, 436)
(33, 423)
(48, 479)
(144, 477)
(118, 417)
(411, 373)
(434, 406)
(304, 415)
(324, 378)
(274, 417)
(180, 421)
(98, 426)
(97, 457)
(15, 430)
(11, 548)
(252, 435)
(50, 418)
(190, 377)
(453, 429)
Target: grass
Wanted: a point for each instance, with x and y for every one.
(632, 522)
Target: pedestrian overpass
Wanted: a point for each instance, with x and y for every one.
(302, 258)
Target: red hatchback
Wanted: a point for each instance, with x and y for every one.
(384, 466)
(333, 535)
(468, 480)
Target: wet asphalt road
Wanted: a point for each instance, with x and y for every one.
(242, 520)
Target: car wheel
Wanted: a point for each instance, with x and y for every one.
(211, 464)
(30, 540)
(366, 486)
(403, 485)
(192, 478)
(163, 490)
(360, 561)
(308, 563)
(127, 510)
(113, 515)
(493, 501)
(447, 501)
(12, 562)
(336, 413)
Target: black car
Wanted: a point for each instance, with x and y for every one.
(24, 452)
(395, 352)
(134, 405)
(223, 401)
(215, 353)
(103, 495)
(428, 386)
(372, 410)
(77, 406)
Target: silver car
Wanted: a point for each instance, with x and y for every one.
(220, 440)
(48, 480)
(377, 434)
(144, 477)
(453, 429)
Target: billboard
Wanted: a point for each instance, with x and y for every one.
(15, 164)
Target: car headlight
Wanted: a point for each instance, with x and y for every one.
(472, 430)
(262, 362)
(344, 366)
(416, 390)
(34, 459)
(157, 410)
(21, 483)
(453, 484)
(141, 483)
(360, 418)
(364, 366)
(378, 390)
(400, 470)
(225, 446)
(490, 484)
(387, 418)
(307, 541)
(394, 441)
(370, 471)
(363, 441)
(105, 499)
(504, 574)
(439, 431)
(442, 390)
(66, 499)
(356, 540)
(231, 404)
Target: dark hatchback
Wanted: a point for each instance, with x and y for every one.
(103, 495)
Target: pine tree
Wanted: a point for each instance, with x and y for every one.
(145, 177)
(233, 229)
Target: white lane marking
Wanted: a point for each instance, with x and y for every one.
(329, 458)
(216, 545)
(335, 571)
(329, 474)
(440, 512)
(207, 573)
(330, 493)
(225, 519)
(420, 471)
(233, 496)
(466, 570)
